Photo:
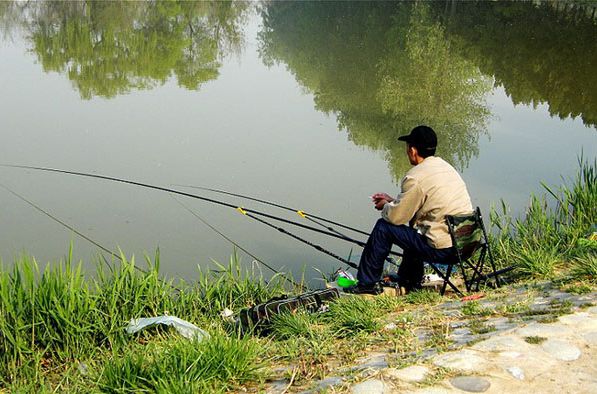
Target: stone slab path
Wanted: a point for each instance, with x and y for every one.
(558, 357)
(540, 353)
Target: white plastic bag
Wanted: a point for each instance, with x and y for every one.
(184, 328)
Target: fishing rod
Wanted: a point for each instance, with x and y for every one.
(266, 265)
(242, 210)
(113, 254)
(343, 237)
(161, 188)
(318, 247)
(301, 213)
(309, 216)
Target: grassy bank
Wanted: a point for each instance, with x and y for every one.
(551, 240)
(61, 330)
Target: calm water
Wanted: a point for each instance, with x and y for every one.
(298, 103)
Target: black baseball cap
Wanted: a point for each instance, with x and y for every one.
(421, 137)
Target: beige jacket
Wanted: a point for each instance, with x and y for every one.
(430, 191)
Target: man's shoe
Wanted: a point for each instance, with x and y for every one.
(373, 288)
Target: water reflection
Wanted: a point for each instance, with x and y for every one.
(381, 68)
(540, 52)
(108, 48)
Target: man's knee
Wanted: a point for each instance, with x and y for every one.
(383, 227)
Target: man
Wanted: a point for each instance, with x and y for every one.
(415, 221)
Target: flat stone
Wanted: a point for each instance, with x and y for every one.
(277, 386)
(460, 332)
(540, 301)
(561, 350)
(376, 361)
(591, 338)
(559, 295)
(414, 373)
(458, 324)
(471, 384)
(326, 383)
(516, 372)
(592, 310)
(462, 340)
(510, 354)
(465, 361)
(582, 321)
(543, 330)
(373, 386)
(501, 323)
(431, 390)
(501, 344)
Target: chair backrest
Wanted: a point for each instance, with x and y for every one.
(466, 232)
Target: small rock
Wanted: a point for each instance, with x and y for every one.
(390, 327)
(465, 360)
(592, 310)
(414, 373)
(516, 372)
(373, 386)
(561, 350)
(83, 368)
(471, 384)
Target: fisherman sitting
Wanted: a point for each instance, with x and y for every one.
(415, 221)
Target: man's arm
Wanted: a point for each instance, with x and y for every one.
(403, 209)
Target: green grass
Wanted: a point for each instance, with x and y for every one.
(214, 365)
(553, 231)
(474, 308)
(535, 340)
(53, 319)
(350, 316)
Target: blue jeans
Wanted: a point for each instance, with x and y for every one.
(415, 252)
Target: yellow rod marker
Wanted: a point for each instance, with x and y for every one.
(241, 210)
(301, 214)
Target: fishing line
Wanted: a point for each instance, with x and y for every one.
(301, 213)
(71, 228)
(318, 247)
(291, 281)
(146, 185)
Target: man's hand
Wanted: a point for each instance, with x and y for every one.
(381, 199)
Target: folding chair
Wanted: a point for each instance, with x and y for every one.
(470, 241)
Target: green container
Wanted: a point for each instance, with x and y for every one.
(345, 282)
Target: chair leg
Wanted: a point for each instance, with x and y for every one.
(446, 279)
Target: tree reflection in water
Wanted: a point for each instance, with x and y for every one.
(107, 48)
(381, 68)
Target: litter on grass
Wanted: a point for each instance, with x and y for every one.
(184, 328)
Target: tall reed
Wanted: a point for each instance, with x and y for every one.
(545, 240)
